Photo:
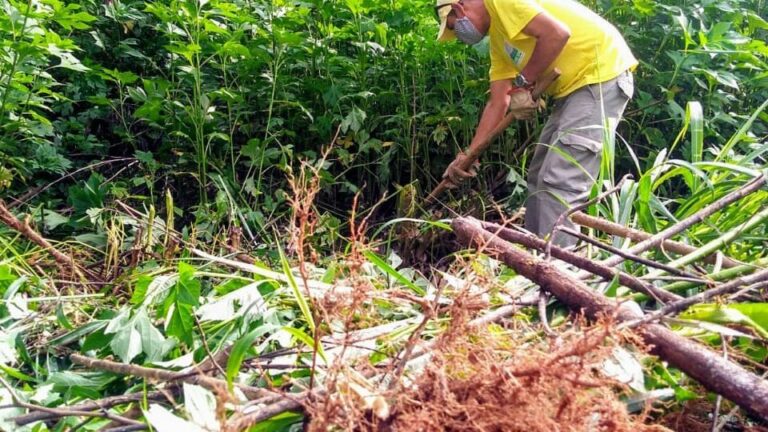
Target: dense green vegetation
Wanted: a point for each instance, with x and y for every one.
(222, 97)
(134, 131)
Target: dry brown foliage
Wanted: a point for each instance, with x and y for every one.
(486, 380)
(486, 383)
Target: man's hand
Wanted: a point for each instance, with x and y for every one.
(455, 175)
(521, 103)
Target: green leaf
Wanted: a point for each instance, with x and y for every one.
(80, 332)
(181, 302)
(238, 353)
(19, 375)
(277, 423)
(757, 312)
(354, 120)
(153, 344)
(163, 420)
(126, 344)
(730, 314)
(307, 340)
(200, 405)
(297, 295)
(94, 380)
(385, 267)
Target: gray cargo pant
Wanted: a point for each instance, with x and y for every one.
(566, 161)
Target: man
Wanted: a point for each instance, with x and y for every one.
(529, 39)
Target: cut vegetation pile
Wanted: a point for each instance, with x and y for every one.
(367, 346)
(213, 217)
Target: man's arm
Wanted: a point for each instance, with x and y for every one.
(493, 113)
(551, 36)
(492, 116)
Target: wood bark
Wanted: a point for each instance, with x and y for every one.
(101, 404)
(708, 368)
(591, 266)
(612, 228)
(65, 262)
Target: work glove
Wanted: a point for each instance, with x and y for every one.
(454, 175)
(521, 103)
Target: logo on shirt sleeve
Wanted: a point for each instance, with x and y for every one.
(515, 54)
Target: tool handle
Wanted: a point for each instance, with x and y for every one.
(474, 155)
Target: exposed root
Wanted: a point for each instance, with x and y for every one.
(487, 381)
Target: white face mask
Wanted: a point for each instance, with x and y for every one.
(466, 32)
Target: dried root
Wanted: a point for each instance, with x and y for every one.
(486, 381)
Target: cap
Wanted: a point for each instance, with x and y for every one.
(442, 9)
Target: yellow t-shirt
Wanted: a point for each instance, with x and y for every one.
(595, 52)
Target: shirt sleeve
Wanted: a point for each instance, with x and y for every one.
(514, 15)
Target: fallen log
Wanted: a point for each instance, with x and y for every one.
(608, 273)
(708, 368)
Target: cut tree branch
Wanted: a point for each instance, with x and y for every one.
(161, 375)
(708, 368)
(613, 228)
(607, 273)
(100, 404)
(65, 412)
(65, 262)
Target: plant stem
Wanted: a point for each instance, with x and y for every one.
(657, 239)
(719, 242)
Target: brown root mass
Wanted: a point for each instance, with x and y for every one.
(485, 380)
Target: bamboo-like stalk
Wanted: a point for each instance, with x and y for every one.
(721, 276)
(635, 235)
(621, 252)
(687, 302)
(658, 239)
(719, 242)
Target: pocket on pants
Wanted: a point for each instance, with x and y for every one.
(573, 163)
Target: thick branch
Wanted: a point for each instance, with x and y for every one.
(711, 370)
(591, 266)
(161, 375)
(100, 404)
(64, 261)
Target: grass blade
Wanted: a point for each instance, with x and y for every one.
(386, 268)
(297, 295)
